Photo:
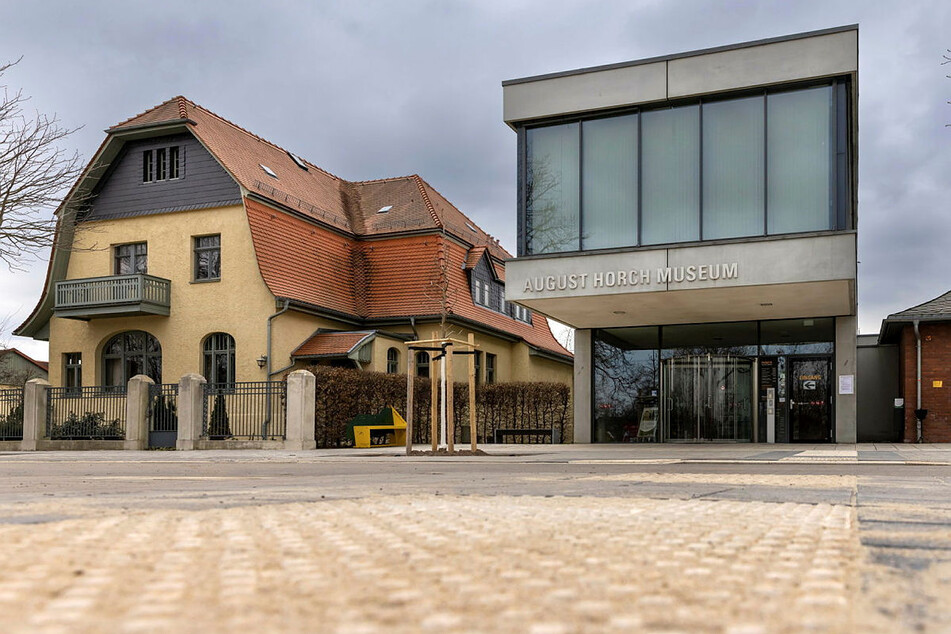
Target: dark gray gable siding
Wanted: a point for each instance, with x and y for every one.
(203, 182)
(484, 274)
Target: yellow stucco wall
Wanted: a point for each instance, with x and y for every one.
(239, 304)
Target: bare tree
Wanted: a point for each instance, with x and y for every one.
(34, 172)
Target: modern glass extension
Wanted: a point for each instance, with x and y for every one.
(714, 382)
(767, 163)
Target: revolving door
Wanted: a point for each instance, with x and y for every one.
(707, 397)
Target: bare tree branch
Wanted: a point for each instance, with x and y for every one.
(34, 173)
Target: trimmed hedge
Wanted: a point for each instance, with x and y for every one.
(344, 393)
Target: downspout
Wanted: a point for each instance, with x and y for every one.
(267, 417)
(287, 305)
(918, 411)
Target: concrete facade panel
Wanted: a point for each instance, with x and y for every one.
(793, 60)
(589, 91)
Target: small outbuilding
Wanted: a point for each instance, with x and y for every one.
(923, 336)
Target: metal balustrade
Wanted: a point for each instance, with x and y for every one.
(112, 295)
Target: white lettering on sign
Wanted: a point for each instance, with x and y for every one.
(632, 277)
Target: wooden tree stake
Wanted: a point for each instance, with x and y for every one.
(472, 391)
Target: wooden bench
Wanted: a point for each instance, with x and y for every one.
(502, 433)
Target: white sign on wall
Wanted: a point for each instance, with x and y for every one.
(632, 277)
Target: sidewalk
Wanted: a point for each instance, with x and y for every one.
(671, 453)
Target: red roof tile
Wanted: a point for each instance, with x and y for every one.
(331, 344)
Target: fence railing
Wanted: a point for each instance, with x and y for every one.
(112, 290)
(247, 411)
(11, 414)
(86, 413)
(163, 407)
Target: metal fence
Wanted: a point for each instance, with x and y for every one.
(11, 414)
(86, 413)
(163, 407)
(245, 411)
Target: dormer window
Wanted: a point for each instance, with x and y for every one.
(161, 164)
(521, 313)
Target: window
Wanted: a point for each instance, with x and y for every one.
(219, 358)
(207, 257)
(485, 294)
(392, 361)
(490, 362)
(521, 313)
(161, 164)
(73, 369)
(771, 163)
(481, 293)
(131, 259)
(422, 365)
(131, 353)
(477, 355)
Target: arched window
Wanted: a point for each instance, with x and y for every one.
(131, 353)
(219, 358)
(392, 361)
(422, 365)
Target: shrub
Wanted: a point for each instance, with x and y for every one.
(89, 425)
(218, 426)
(345, 393)
(11, 425)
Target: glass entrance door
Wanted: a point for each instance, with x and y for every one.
(810, 406)
(707, 397)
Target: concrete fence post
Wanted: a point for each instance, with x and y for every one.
(191, 397)
(137, 413)
(35, 394)
(301, 398)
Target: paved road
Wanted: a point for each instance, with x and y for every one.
(539, 540)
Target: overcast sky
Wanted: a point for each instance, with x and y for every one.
(375, 89)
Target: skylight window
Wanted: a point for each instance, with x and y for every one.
(385, 209)
(298, 161)
(471, 228)
(268, 170)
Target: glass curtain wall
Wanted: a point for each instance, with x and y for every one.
(772, 163)
(733, 168)
(552, 201)
(670, 203)
(799, 155)
(691, 382)
(609, 189)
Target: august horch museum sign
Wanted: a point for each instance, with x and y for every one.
(633, 277)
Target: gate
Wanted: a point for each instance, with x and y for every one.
(163, 416)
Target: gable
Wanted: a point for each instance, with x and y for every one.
(202, 182)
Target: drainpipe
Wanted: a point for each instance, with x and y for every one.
(919, 413)
(287, 305)
(267, 417)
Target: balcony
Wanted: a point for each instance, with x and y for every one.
(113, 296)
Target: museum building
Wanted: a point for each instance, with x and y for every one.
(694, 218)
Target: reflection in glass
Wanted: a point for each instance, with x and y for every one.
(799, 135)
(551, 189)
(131, 353)
(733, 164)
(609, 187)
(671, 175)
(625, 385)
(797, 336)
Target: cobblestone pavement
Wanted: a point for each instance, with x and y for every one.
(490, 562)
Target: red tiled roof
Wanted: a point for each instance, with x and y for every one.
(331, 344)
(472, 258)
(339, 270)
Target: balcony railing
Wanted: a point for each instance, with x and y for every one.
(113, 296)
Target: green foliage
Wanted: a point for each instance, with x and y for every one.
(90, 425)
(218, 426)
(345, 393)
(165, 413)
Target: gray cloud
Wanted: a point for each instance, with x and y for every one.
(372, 89)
